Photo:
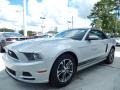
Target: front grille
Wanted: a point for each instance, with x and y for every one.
(11, 71)
(12, 54)
(26, 74)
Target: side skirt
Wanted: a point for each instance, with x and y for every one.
(90, 62)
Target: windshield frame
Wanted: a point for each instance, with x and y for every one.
(75, 35)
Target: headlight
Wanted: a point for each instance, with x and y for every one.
(33, 56)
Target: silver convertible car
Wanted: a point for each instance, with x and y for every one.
(57, 59)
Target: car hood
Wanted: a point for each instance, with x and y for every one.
(34, 45)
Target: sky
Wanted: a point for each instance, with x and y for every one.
(57, 13)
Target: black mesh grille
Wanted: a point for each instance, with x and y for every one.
(26, 74)
(12, 54)
(11, 71)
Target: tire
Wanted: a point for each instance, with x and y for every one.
(62, 71)
(2, 44)
(0, 48)
(110, 57)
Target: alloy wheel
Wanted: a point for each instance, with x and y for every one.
(65, 70)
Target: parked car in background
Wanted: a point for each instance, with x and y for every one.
(9, 37)
(56, 60)
(117, 39)
(39, 36)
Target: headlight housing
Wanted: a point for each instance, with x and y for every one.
(33, 56)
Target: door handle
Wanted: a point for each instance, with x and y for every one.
(94, 48)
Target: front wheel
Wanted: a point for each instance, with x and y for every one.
(1, 49)
(62, 71)
(110, 57)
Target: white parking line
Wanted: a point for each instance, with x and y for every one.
(117, 53)
(2, 65)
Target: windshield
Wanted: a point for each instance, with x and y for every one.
(12, 34)
(77, 34)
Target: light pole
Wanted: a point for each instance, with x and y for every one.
(92, 18)
(24, 18)
(72, 22)
(117, 9)
(69, 22)
(42, 25)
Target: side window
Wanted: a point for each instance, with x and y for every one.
(94, 35)
(97, 34)
(103, 36)
(1, 36)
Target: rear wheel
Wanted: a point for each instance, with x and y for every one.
(62, 71)
(0, 48)
(110, 57)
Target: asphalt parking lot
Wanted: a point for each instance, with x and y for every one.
(97, 77)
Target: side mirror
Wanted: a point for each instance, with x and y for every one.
(109, 36)
(92, 37)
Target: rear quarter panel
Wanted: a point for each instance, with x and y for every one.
(111, 42)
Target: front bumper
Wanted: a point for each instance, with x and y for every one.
(33, 72)
(117, 43)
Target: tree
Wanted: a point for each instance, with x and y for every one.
(21, 32)
(104, 17)
(6, 30)
(29, 33)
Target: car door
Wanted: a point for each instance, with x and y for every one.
(97, 43)
(94, 46)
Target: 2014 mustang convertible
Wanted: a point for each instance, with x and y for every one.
(57, 59)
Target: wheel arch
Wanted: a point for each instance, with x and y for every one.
(66, 52)
(113, 47)
(72, 54)
(110, 47)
